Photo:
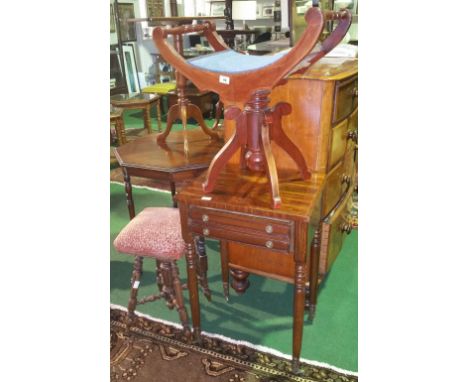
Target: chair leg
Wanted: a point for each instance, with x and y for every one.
(132, 302)
(179, 298)
(168, 283)
(159, 280)
(158, 113)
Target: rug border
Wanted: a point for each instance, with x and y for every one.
(240, 342)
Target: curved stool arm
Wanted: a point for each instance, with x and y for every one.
(234, 87)
(335, 37)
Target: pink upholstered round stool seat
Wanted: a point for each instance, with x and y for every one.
(154, 232)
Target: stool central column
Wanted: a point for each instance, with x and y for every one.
(255, 111)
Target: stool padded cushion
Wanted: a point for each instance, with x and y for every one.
(228, 61)
(154, 232)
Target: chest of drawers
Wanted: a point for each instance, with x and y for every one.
(323, 124)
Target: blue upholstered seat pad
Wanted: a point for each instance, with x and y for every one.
(228, 61)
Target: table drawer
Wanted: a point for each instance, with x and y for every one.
(345, 98)
(273, 234)
(338, 144)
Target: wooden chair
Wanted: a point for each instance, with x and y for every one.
(116, 120)
(244, 82)
(155, 233)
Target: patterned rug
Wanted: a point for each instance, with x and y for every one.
(157, 352)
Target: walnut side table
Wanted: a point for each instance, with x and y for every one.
(278, 240)
(142, 101)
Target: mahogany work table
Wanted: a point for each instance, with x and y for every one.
(278, 240)
(145, 157)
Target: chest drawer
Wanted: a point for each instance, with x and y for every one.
(333, 235)
(264, 232)
(335, 186)
(338, 143)
(346, 98)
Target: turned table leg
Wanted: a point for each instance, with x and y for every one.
(193, 289)
(173, 192)
(298, 314)
(147, 118)
(225, 268)
(313, 283)
(120, 131)
(128, 193)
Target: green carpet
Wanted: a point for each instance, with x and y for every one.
(262, 316)
(133, 119)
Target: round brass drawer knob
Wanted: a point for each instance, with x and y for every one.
(205, 218)
(269, 229)
(206, 231)
(269, 244)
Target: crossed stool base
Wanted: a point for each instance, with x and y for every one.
(256, 126)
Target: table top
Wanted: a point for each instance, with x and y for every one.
(120, 99)
(330, 69)
(248, 192)
(146, 153)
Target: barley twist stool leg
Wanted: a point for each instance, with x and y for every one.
(136, 275)
(168, 283)
(159, 280)
(179, 298)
